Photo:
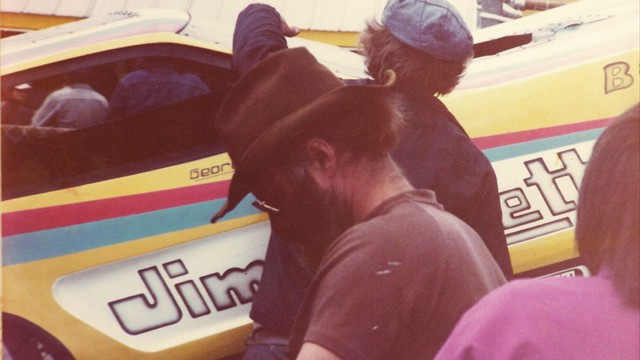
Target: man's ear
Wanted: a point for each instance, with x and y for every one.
(323, 161)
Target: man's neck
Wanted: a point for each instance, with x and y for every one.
(367, 188)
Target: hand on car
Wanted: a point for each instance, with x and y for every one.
(289, 31)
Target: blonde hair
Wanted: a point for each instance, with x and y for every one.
(414, 68)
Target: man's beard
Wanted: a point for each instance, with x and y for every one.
(315, 219)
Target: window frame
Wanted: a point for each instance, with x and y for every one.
(219, 63)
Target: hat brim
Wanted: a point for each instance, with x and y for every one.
(338, 105)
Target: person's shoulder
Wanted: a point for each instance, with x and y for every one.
(60, 93)
(428, 116)
(101, 98)
(422, 105)
(410, 207)
(527, 286)
(408, 219)
(193, 80)
(390, 235)
(502, 304)
(523, 291)
(496, 325)
(136, 75)
(368, 233)
(433, 112)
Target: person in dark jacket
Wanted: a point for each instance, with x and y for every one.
(428, 46)
(434, 150)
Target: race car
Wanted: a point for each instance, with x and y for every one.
(107, 246)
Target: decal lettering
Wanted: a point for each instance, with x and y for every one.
(187, 289)
(556, 191)
(577, 271)
(158, 307)
(514, 202)
(617, 77)
(212, 171)
(241, 283)
(547, 181)
(136, 314)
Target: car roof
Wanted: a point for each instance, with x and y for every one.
(66, 37)
(560, 38)
(126, 28)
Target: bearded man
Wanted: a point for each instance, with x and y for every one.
(394, 270)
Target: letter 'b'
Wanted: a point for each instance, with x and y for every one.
(617, 77)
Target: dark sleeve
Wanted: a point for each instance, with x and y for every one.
(442, 158)
(466, 186)
(285, 278)
(258, 33)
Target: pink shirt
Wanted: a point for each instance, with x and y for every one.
(551, 318)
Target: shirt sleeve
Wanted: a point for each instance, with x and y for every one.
(46, 113)
(258, 33)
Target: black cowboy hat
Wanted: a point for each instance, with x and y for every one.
(284, 96)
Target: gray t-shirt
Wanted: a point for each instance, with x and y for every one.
(394, 286)
(75, 107)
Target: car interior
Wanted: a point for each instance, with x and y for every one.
(44, 158)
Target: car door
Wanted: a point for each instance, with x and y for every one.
(91, 214)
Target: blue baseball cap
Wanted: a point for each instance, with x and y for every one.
(432, 26)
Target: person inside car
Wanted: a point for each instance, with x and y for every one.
(15, 109)
(395, 271)
(594, 317)
(77, 105)
(156, 84)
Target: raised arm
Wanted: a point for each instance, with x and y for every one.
(260, 30)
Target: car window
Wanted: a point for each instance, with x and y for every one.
(95, 122)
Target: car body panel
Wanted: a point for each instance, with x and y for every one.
(102, 261)
(128, 220)
(62, 39)
(576, 75)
